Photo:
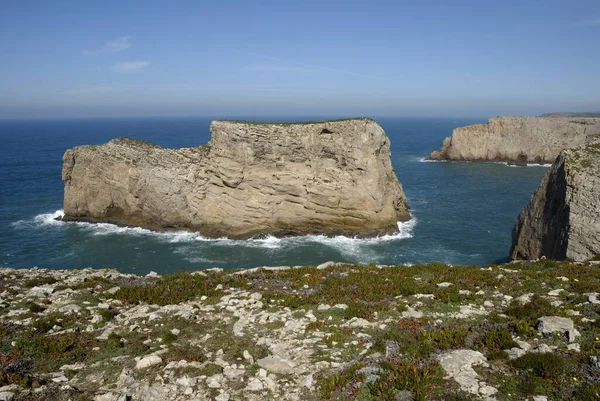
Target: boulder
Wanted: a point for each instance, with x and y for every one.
(562, 218)
(518, 140)
(549, 325)
(330, 177)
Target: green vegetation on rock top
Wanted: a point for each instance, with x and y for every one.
(251, 122)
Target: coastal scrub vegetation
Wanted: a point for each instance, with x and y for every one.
(375, 332)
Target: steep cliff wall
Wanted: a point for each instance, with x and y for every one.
(518, 139)
(332, 177)
(562, 219)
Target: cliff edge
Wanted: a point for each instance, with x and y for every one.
(518, 139)
(562, 219)
(330, 177)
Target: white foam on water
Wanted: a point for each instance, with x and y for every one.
(348, 246)
(507, 164)
(46, 219)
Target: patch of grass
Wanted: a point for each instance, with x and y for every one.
(499, 339)
(39, 281)
(87, 283)
(50, 352)
(545, 365)
(169, 289)
(44, 324)
(114, 341)
(421, 377)
(406, 333)
(35, 308)
(498, 355)
(168, 337)
(338, 338)
(108, 314)
(445, 338)
(335, 385)
(524, 329)
(531, 311)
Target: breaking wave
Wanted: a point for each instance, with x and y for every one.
(346, 245)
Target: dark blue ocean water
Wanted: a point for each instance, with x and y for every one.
(462, 212)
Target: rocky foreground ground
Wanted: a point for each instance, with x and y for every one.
(336, 331)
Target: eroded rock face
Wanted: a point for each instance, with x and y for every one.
(518, 139)
(331, 178)
(562, 219)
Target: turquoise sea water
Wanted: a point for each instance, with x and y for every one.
(462, 212)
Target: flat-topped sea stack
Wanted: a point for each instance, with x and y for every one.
(518, 140)
(562, 219)
(251, 179)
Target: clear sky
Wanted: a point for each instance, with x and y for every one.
(298, 58)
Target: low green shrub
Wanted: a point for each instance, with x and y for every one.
(545, 365)
(498, 339)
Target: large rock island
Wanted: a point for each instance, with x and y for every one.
(562, 219)
(329, 177)
(518, 139)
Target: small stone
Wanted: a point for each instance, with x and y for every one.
(326, 265)
(445, 284)
(309, 381)
(175, 332)
(254, 385)
(357, 322)
(126, 378)
(262, 372)
(276, 364)
(71, 308)
(525, 298)
(555, 293)
(340, 306)
(593, 298)
(152, 274)
(404, 395)
(543, 348)
(323, 307)
(186, 381)
(7, 395)
(223, 397)
(256, 296)
(248, 357)
(574, 347)
(488, 304)
(214, 381)
(113, 290)
(487, 390)
(148, 361)
(540, 398)
(515, 353)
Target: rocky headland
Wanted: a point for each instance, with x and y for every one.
(518, 140)
(524, 330)
(562, 218)
(329, 177)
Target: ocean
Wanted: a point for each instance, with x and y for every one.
(462, 212)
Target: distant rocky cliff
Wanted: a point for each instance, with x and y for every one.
(562, 219)
(332, 177)
(518, 139)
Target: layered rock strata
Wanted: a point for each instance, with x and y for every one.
(518, 139)
(562, 219)
(331, 177)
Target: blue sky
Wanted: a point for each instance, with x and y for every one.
(298, 58)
